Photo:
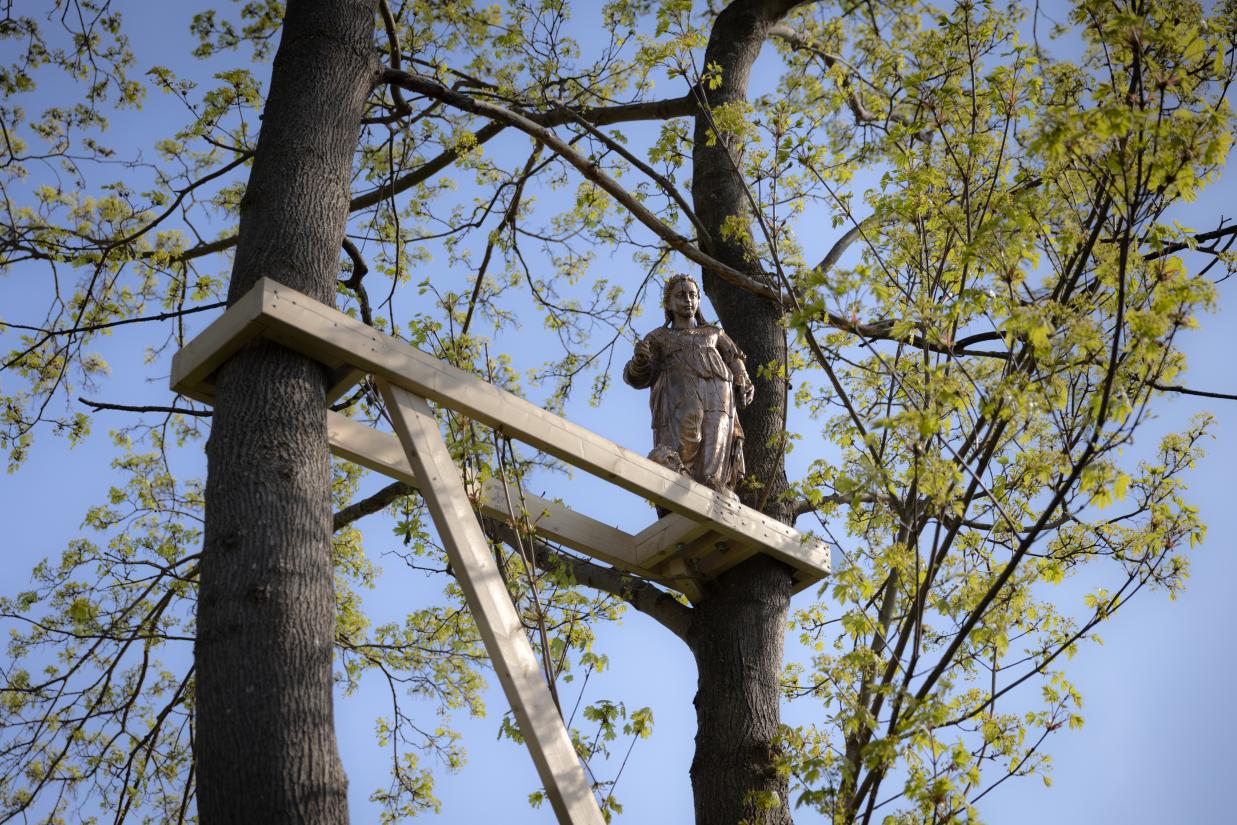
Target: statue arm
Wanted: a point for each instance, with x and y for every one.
(641, 370)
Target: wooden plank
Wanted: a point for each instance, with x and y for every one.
(382, 453)
(514, 661)
(661, 539)
(711, 562)
(714, 564)
(560, 523)
(700, 558)
(341, 382)
(334, 338)
(195, 363)
(695, 553)
(680, 575)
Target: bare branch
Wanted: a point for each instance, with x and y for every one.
(402, 109)
(431, 88)
(162, 316)
(1194, 242)
(844, 243)
(883, 331)
(601, 116)
(1226, 396)
(181, 194)
(371, 504)
(103, 405)
(359, 270)
(669, 188)
(374, 196)
(48, 334)
(804, 506)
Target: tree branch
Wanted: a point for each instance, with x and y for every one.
(1187, 391)
(431, 88)
(883, 331)
(601, 116)
(48, 334)
(103, 405)
(359, 270)
(402, 109)
(804, 506)
(162, 316)
(371, 504)
(844, 243)
(798, 41)
(669, 188)
(1193, 243)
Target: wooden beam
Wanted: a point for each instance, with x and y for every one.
(194, 365)
(541, 725)
(675, 546)
(661, 539)
(342, 380)
(333, 338)
(382, 453)
(677, 573)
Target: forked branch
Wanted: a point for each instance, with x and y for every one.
(590, 170)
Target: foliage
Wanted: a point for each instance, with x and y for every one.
(969, 363)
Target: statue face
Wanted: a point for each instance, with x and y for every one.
(684, 301)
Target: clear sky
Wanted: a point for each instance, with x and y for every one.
(1160, 723)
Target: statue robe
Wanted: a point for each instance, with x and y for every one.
(694, 373)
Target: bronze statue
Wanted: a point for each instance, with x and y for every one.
(699, 380)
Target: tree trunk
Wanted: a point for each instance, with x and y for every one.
(737, 634)
(265, 737)
(737, 637)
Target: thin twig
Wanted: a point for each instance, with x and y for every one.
(590, 170)
(103, 405)
(1226, 396)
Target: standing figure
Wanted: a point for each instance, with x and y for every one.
(699, 380)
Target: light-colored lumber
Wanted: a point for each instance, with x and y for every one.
(542, 727)
(342, 380)
(680, 575)
(338, 341)
(561, 524)
(195, 363)
(382, 453)
(661, 539)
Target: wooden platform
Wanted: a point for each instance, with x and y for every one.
(705, 534)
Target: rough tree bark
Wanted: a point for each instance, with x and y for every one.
(737, 634)
(265, 738)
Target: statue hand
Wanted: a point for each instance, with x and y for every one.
(643, 353)
(747, 392)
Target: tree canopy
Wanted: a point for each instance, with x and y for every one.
(943, 233)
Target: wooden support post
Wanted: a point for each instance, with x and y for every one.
(540, 723)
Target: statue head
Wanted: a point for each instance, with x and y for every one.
(673, 283)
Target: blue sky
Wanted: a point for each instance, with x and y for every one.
(1160, 725)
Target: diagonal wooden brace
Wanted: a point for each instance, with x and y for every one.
(542, 727)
